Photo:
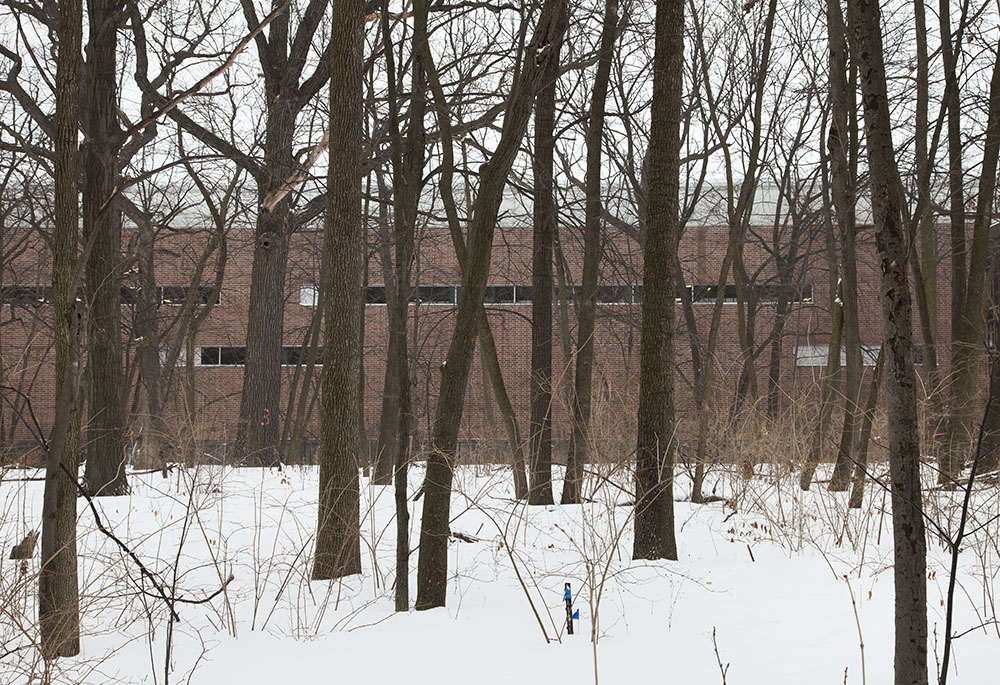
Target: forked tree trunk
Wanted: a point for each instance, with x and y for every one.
(58, 593)
(910, 567)
(654, 471)
(432, 566)
(283, 56)
(579, 447)
(338, 533)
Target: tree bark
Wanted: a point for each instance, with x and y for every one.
(968, 322)
(58, 591)
(432, 566)
(102, 229)
(924, 263)
(867, 419)
(153, 436)
(283, 56)
(654, 472)
(407, 167)
(909, 542)
(842, 108)
(388, 422)
(831, 379)
(338, 533)
(544, 210)
(579, 442)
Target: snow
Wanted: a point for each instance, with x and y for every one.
(772, 581)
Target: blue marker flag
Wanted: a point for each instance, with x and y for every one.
(567, 594)
(576, 614)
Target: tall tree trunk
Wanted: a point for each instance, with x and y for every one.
(257, 426)
(58, 592)
(867, 419)
(283, 55)
(654, 471)
(407, 167)
(831, 379)
(102, 229)
(991, 423)
(842, 108)
(738, 212)
(388, 423)
(957, 435)
(910, 567)
(544, 220)
(746, 309)
(338, 533)
(925, 265)
(494, 374)
(968, 322)
(154, 430)
(579, 442)
(363, 457)
(432, 566)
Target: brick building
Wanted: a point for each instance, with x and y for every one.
(218, 348)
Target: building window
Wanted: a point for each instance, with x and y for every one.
(770, 293)
(176, 294)
(614, 294)
(293, 356)
(811, 355)
(35, 295)
(181, 357)
(433, 294)
(214, 355)
(507, 294)
(27, 295)
(422, 294)
(499, 294)
(375, 294)
(308, 296)
(869, 354)
(766, 293)
(815, 355)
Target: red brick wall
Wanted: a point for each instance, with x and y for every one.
(28, 362)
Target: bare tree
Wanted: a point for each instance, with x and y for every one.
(432, 568)
(654, 470)
(842, 142)
(338, 534)
(58, 593)
(910, 568)
(583, 378)
(102, 229)
(407, 167)
(544, 220)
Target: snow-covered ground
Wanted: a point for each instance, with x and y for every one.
(772, 586)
